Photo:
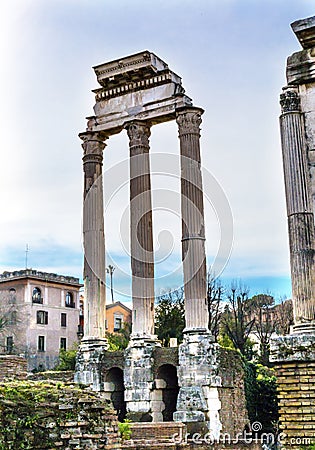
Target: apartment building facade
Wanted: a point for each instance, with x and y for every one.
(40, 315)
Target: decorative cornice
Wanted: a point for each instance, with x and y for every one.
(133, 86)
(189, 121)
(139, 134)
(290, 101)
(93, 144)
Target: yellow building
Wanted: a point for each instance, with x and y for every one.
(117, 316)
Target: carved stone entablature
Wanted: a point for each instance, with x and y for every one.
(290, 101)
(189, 121)
(131, 68)
(139, 134)
(93, 145)
(304, 30)
(136, 87)
(133, 86)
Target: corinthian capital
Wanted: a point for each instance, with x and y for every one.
(93, 142)
(189, 121)
(138, 133)
(290, 100)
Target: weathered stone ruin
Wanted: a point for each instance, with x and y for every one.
(199, 384)
(294, 355)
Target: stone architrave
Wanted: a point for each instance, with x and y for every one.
(141, 234)
(93, 238)
(193, 228)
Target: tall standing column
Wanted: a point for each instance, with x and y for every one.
(141, 238)
(93, 237)
(299, 210)
(193, 229)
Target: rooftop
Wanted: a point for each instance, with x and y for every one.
(30, 273)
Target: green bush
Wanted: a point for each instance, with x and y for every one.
(67, 359)
(261, 396)
(124, 429)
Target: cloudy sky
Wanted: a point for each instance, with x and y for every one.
(231, 56)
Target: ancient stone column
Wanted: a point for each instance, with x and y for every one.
(93, 237)
(193, 229)
(141, 239)
(299, 209)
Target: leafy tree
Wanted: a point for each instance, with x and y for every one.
(120, 339)
(215, 292)
(283, 312)
(170, 316)
(236, 322)
(67, 359)
(261, 309)
(261, 396)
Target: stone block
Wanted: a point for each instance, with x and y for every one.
(141, 406)
(188, 416)
(157, 406)
(132, 395)
(159, 383)
(109, 387)
(157, 417)
(156, 395)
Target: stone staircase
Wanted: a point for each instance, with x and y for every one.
(156, 435)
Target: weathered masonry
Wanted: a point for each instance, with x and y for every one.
(294, 355)
(136, 93)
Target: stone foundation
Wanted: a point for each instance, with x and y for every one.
(294, 361)
(211, 397)
(88, 370)
(144, 385)
(53, 415)
(12, 367)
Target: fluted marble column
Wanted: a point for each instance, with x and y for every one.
(193, 229)
(299, 209)
(93, 237)
(141, 238)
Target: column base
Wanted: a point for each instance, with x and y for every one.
(139, 378)
(90, 342)
(144, 340)
(304, 328)
(293, 347)
(88, 362)
(198, 399)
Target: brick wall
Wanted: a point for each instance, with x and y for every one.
(296, 394)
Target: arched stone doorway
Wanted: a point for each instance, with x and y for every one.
(114, 383)
(168, 384)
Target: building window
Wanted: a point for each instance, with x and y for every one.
(69, 300)
(9, 344)
(42, 317)
(12, 296)
(63, 343)
(12, 318)
(41, 343)
(63, 319)
(117, 323)
(37, 296)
